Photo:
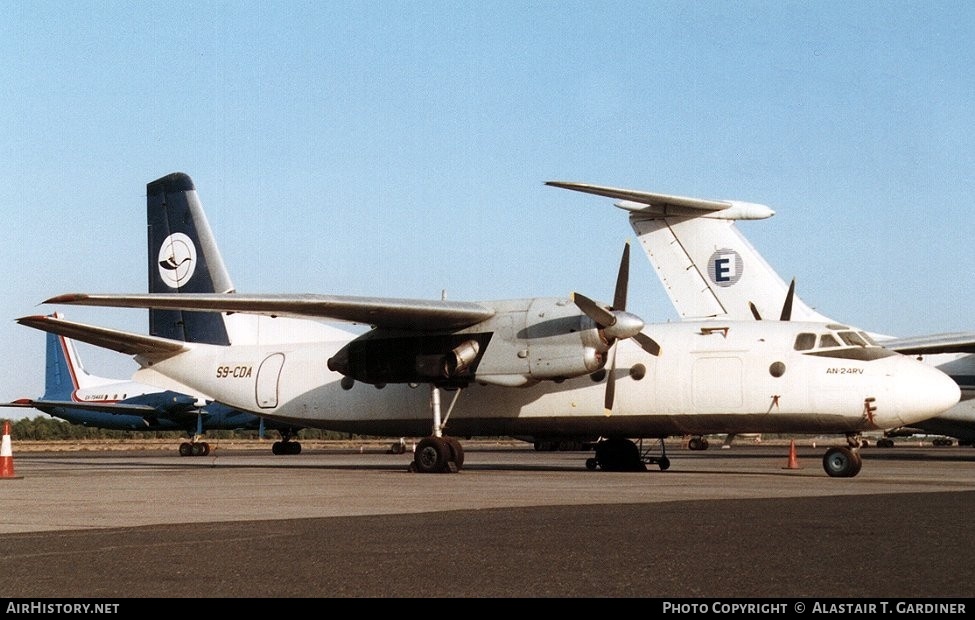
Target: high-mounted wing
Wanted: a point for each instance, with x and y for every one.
(388, 313)
(136, 409)
(960, 342)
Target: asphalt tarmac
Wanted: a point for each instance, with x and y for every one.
(514, 523)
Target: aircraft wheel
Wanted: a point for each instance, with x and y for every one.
(841, 462)
(664, 463)
(857, 464)
(456, 451)
(695, 443)
(196, 449)
(206, 449)
(432, 455)
(185, 449)
(885, 443)
(295, 448)
(619, 454)
(276, 448)
(592, 464)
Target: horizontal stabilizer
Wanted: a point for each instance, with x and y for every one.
(150, 348)
(657, 205)
(377, 311)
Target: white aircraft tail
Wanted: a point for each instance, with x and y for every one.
(707, 267)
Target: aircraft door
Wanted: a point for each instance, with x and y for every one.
(717, 384)
(268, 375)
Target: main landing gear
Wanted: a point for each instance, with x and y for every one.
(194, 448)
(620, 454)
(438, 454)
(843, 461)
(286, 446)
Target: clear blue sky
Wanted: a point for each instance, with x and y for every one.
(401, 148)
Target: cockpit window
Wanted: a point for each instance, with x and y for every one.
(869, 339)
(804, 342)
(855, 345)
(827, 340)
(852, 339)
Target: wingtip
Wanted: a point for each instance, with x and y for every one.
(67, 298)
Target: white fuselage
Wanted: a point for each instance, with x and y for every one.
(710, 377)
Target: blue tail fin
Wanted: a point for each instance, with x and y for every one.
(183, 258)
(64, 373)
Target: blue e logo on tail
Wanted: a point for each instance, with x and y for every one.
(725, 267)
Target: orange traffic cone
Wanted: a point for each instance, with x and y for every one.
(793, 459)
(6, 454)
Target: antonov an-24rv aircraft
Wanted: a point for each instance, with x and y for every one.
(539, 367)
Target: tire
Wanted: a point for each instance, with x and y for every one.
(431, 456)
(841, 462)
(184, 449)
(456, 451)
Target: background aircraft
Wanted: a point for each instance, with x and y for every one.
(72, 394)
(182, 256)
(541, 367)
(711, 271)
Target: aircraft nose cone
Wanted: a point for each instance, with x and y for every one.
(923, 392)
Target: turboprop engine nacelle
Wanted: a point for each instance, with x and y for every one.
(525, 342)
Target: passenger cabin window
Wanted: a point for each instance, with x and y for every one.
(804, 342)
(827, 340)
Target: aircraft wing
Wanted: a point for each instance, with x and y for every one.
(90, 406)
(410, 314)
(151, 348)
(960, 342)
(639, 202)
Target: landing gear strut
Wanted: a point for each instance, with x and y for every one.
(438, 454)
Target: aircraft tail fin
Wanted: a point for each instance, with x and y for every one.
(183, 258)
(64, 372)
(710, 270)
(706, 265)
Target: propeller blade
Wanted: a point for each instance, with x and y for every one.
(755, 312)
(602, 316)
(647, 343)
(610, 385)
(787, 307)
(622, 280)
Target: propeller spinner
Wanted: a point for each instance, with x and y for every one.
(615, 323)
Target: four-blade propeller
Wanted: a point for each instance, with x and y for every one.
(615, 324)
(786, 314)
